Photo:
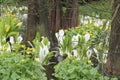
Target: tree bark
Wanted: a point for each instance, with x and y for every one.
(37, 19)
(113, 62)
(55, 15)
(71, 15)
(42, 18)
(31, 21)
(55, 19)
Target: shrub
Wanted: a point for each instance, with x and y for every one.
(75, 69)
(18, 67)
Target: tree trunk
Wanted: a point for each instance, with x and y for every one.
(71, 15)
(113, 62)
(42, 18)
(37, 19)
(55, 15)
(31, 22)
(55, 19)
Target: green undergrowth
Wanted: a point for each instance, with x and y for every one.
(102, 8)
(76, 69)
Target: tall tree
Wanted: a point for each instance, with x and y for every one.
(42, 17)
(55, 18)
(37, 19)
(71, 15)
(31, 22)
(113, 62)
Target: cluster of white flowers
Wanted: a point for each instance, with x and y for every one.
(86, 20)
(97, 22)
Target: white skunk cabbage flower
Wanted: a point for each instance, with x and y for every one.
(96, 52)
(75, 40)
(43, 53)
(98, 22)
(75, 53)
(87, 37)
(60, 36)
(19, 39)
(89, 53)
(61, 32)
(12, 40)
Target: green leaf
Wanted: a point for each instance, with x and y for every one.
(45, 60)
(15, 76)
(12, 34)
(45, 40)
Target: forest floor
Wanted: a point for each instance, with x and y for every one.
(102, 8)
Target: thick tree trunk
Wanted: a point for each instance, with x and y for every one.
(37, 19)
(113, 62)
(55, 17)
(42, 18)
(31, 22)
(71, 15)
